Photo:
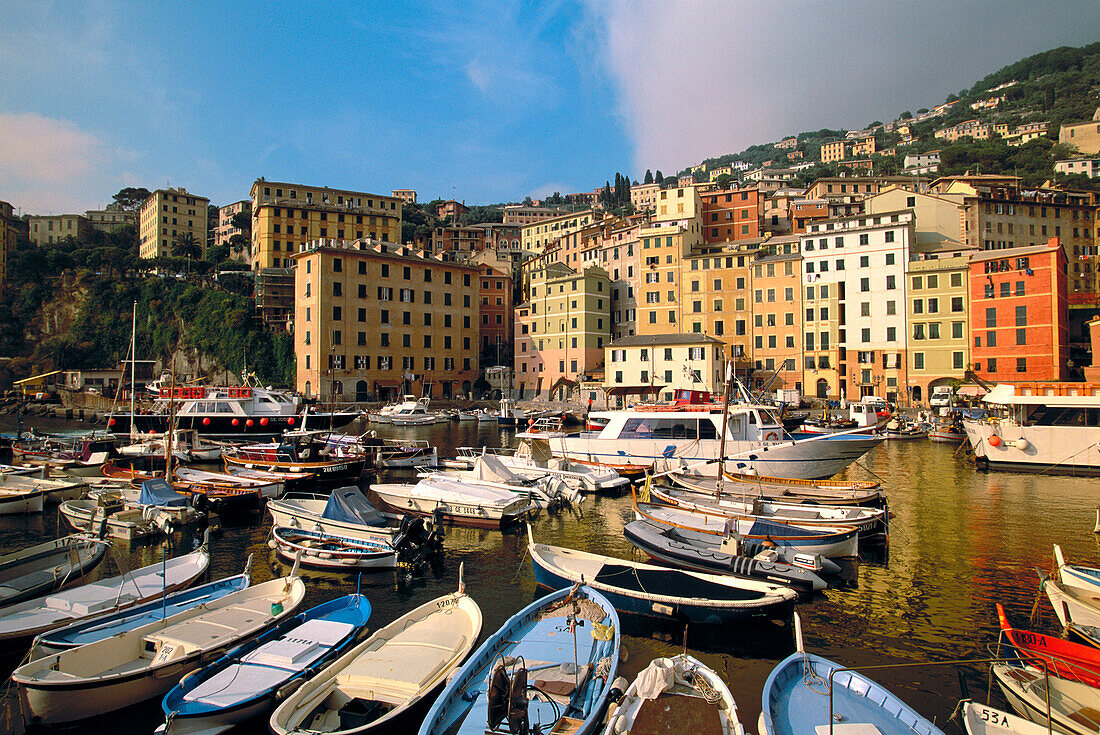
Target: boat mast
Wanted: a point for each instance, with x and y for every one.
(133, 362)
(725, 424)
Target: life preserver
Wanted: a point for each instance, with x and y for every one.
(771, 436)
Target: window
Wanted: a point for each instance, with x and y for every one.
(1021, 316)
(918, 331)
(991, 317)
(990, 339)
(991, 365)
(957, 329)
(865, 335)
(865, 284)
(890, 283)
(891, 334)
(889, 237)
(336, 313)
(956, 280)
(956, 304)
(865, 308)
(1021, 364)
(864, 261)
(933, 330)
(1006, 289)
(918, 306)
(933, 306)
(918, 361)
(1021, 336)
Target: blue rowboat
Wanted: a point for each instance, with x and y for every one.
(653, 591)
(105, 626)
(796, 701)
(246, 682)
(549, 666)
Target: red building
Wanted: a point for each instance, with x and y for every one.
(495, 312)
(1019, 319)
(458, 239)
(732, 214)
(805, 211)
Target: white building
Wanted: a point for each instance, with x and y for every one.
(922, 164)
(1088, 166)
(666, 361)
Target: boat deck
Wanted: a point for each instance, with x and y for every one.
(404, 664)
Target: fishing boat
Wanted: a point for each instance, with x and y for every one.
(155, 498)
(981, 719)
(249, 681)
(546, 490)
(806, 694)
(1072, 606)
(216, 481)
(327, 551)
(1073, 707)
(1063, 659)
(786, 490)
(78, 455)
(374, 684)
(550, 666)
(344, 512)
(103, 626)
(52, 488)
(828, 541)
(410, 407)
(29, 618)
(534, 457)
(147, 661)
(707, 553)
(123, 523)
(674, 695)
(660, 592)
(306, 456)
(867, 520)
(48, 567)
(1085, 580)
(21, 502)
(456, 502)
(187, 446)
(291, 481)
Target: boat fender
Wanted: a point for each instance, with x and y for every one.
(661, 609)
(289, 688)
(771, 436)
(618, 689)
(994, 440)
(271, 543)
(1020, 443)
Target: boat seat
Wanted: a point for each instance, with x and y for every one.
(211, 629)
(235, 683)
(849, 728)
(407, 662)
(561, 681)
(29, 581)
(89, 599)
(301, 647)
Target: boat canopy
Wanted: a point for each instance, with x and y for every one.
(348, 505)
(490, 468)
(158, 492)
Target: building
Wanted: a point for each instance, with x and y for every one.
(774, 313)
(854, 324)
(225, 229)
(1086, 166)
(561, 331)
(845, 194)
(451, 208)
(921, 164)
(374, 320)
(791, 142)
(967, 129)
(406, 195)
(732, 215)
(936, 311)
(835, 151)
(286, 216)
(716, 290)
(862, 146)
(111, 217)
(644, 197)
(939, 217)
(458, 241)
(53, 228)
(9, 231)
(275, 296)
(805, 211)
(167, 218)
(519, 214)
(496, 321)
(685, 180)
(534, 237)
(1019, 324)
(665, 363)
(1084, 136)
(619, 256)
(505, 240)
(659, 285)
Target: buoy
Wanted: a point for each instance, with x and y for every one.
(235, 422)
(206, 421)
(1021, 443)
(152, 431)
(994, 441)
(248, 422)
(290, 421)
(263, 421)
(111, 422)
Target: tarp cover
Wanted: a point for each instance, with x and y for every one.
(159, 492)
(489, 468)
(348, 505)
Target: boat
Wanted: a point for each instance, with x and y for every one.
(187, 446)
(806, 694)
(103, 626)
(77, 455)
(147, 661)
(981, 719)
(155, 498)
(22, 501)
(867, 520)
(291, 481)
(551, 665)
(898, 431)
(546, 490)
(326, 551)
(308, 454)
(48, 567)
(948, 428)
(1073, 707)
(410, 407)
(213, 482)
(1072, 606)
(669, 694)
(125, 524)
(660, 592)
(1041, 427)
(32, 617)
(456, 502)
(706, 553)
(373, 686)
(1061, 658)
(343, 512)
(673, 435)
(1085, 580)
(53, 489)
(534, 457)
(787, 538)
(231, 411)
(786, 490)
(249, 681)
(509, 415)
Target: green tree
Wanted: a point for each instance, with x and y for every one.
(131, 197)
(186, 245)
(658, 177)
(648, 177)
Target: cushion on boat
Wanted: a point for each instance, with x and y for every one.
(236, 683)
(89, 599)
(406, 668)
(301, 646)
(433, 637)
(848, 728)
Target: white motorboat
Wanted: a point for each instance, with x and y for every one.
(379, 680)
(545, 489)
(123, 523)
(343, 512)
(981, 719)
(1073, 705)
(534, 457)
(671, 692)
(147, 661)
(410, 409)
(455, 501)
(1085, 580)
(326, 551)
(47, 567)
(26, 493)
(187, 446)
(31, 617)
(1044, 427)
(155, 499)
(1072, 605)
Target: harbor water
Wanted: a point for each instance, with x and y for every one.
(961, 540)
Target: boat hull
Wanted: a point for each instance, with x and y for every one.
(287, 513)
(214, 425)
(1047, 449)
(457, 513)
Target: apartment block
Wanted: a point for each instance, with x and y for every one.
(644, 197)
(536, 236)
(862, 147)
(504, 239)
(458, 241)
(519, 214)
(496, 321)
(620, 256)
(452, 209)
(53, 228)
(773, 314)
(1083, 136)
(167, 216)
(1019, 323)
(834, 151)
(805, 211)
(845, 194)
(286, 216)
(561, 331)
(665, 363)
(854, 328)
(225, 229)
(716, 281)
(921, 164)
(937, 312)
(373, 320)
(8, 232)
(967, 129)
(1086, 166)
(939, 218)
(111, 217)
(732, 215)
(406, 195)
(680, 204)
(660, 294)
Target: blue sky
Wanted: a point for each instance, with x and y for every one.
(492, 101)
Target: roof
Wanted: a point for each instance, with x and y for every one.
(647, 340)
(633, 390)
(1012, 252)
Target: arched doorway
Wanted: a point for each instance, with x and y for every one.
(337, 389)
(822, 388)
(309, 391)
(362, 391)
(466, 387)
(916, 393)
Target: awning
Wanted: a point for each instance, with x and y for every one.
(974, 391)
(388, 383)
(633, 390)
(563, 381)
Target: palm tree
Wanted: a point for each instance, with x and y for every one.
(187, 246)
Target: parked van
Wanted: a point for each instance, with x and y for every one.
(941, 396)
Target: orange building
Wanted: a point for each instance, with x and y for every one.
(495, 311)
(731, 214)
(1019, 320)
(805, 211)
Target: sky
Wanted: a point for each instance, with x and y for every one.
(481, 101)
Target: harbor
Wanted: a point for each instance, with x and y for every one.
(961, 540)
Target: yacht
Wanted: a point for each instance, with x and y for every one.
(1041, 427)
(689, 435)
(411, 411)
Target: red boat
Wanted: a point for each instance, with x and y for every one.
(1064, 659)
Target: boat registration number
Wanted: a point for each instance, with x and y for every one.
(446, 602)
(993, 716)
(335, 468)
(461, 510)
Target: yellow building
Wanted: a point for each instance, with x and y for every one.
(681, 204)
(374, 320)
(167, 216)
(52, 228)
(717, 291)
(1084, 136)
(537, 235)
(937, 310)
(285, 216)
(665, 362)
(832, 152)
(659, 287)
(938, 218)
(774, 313)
